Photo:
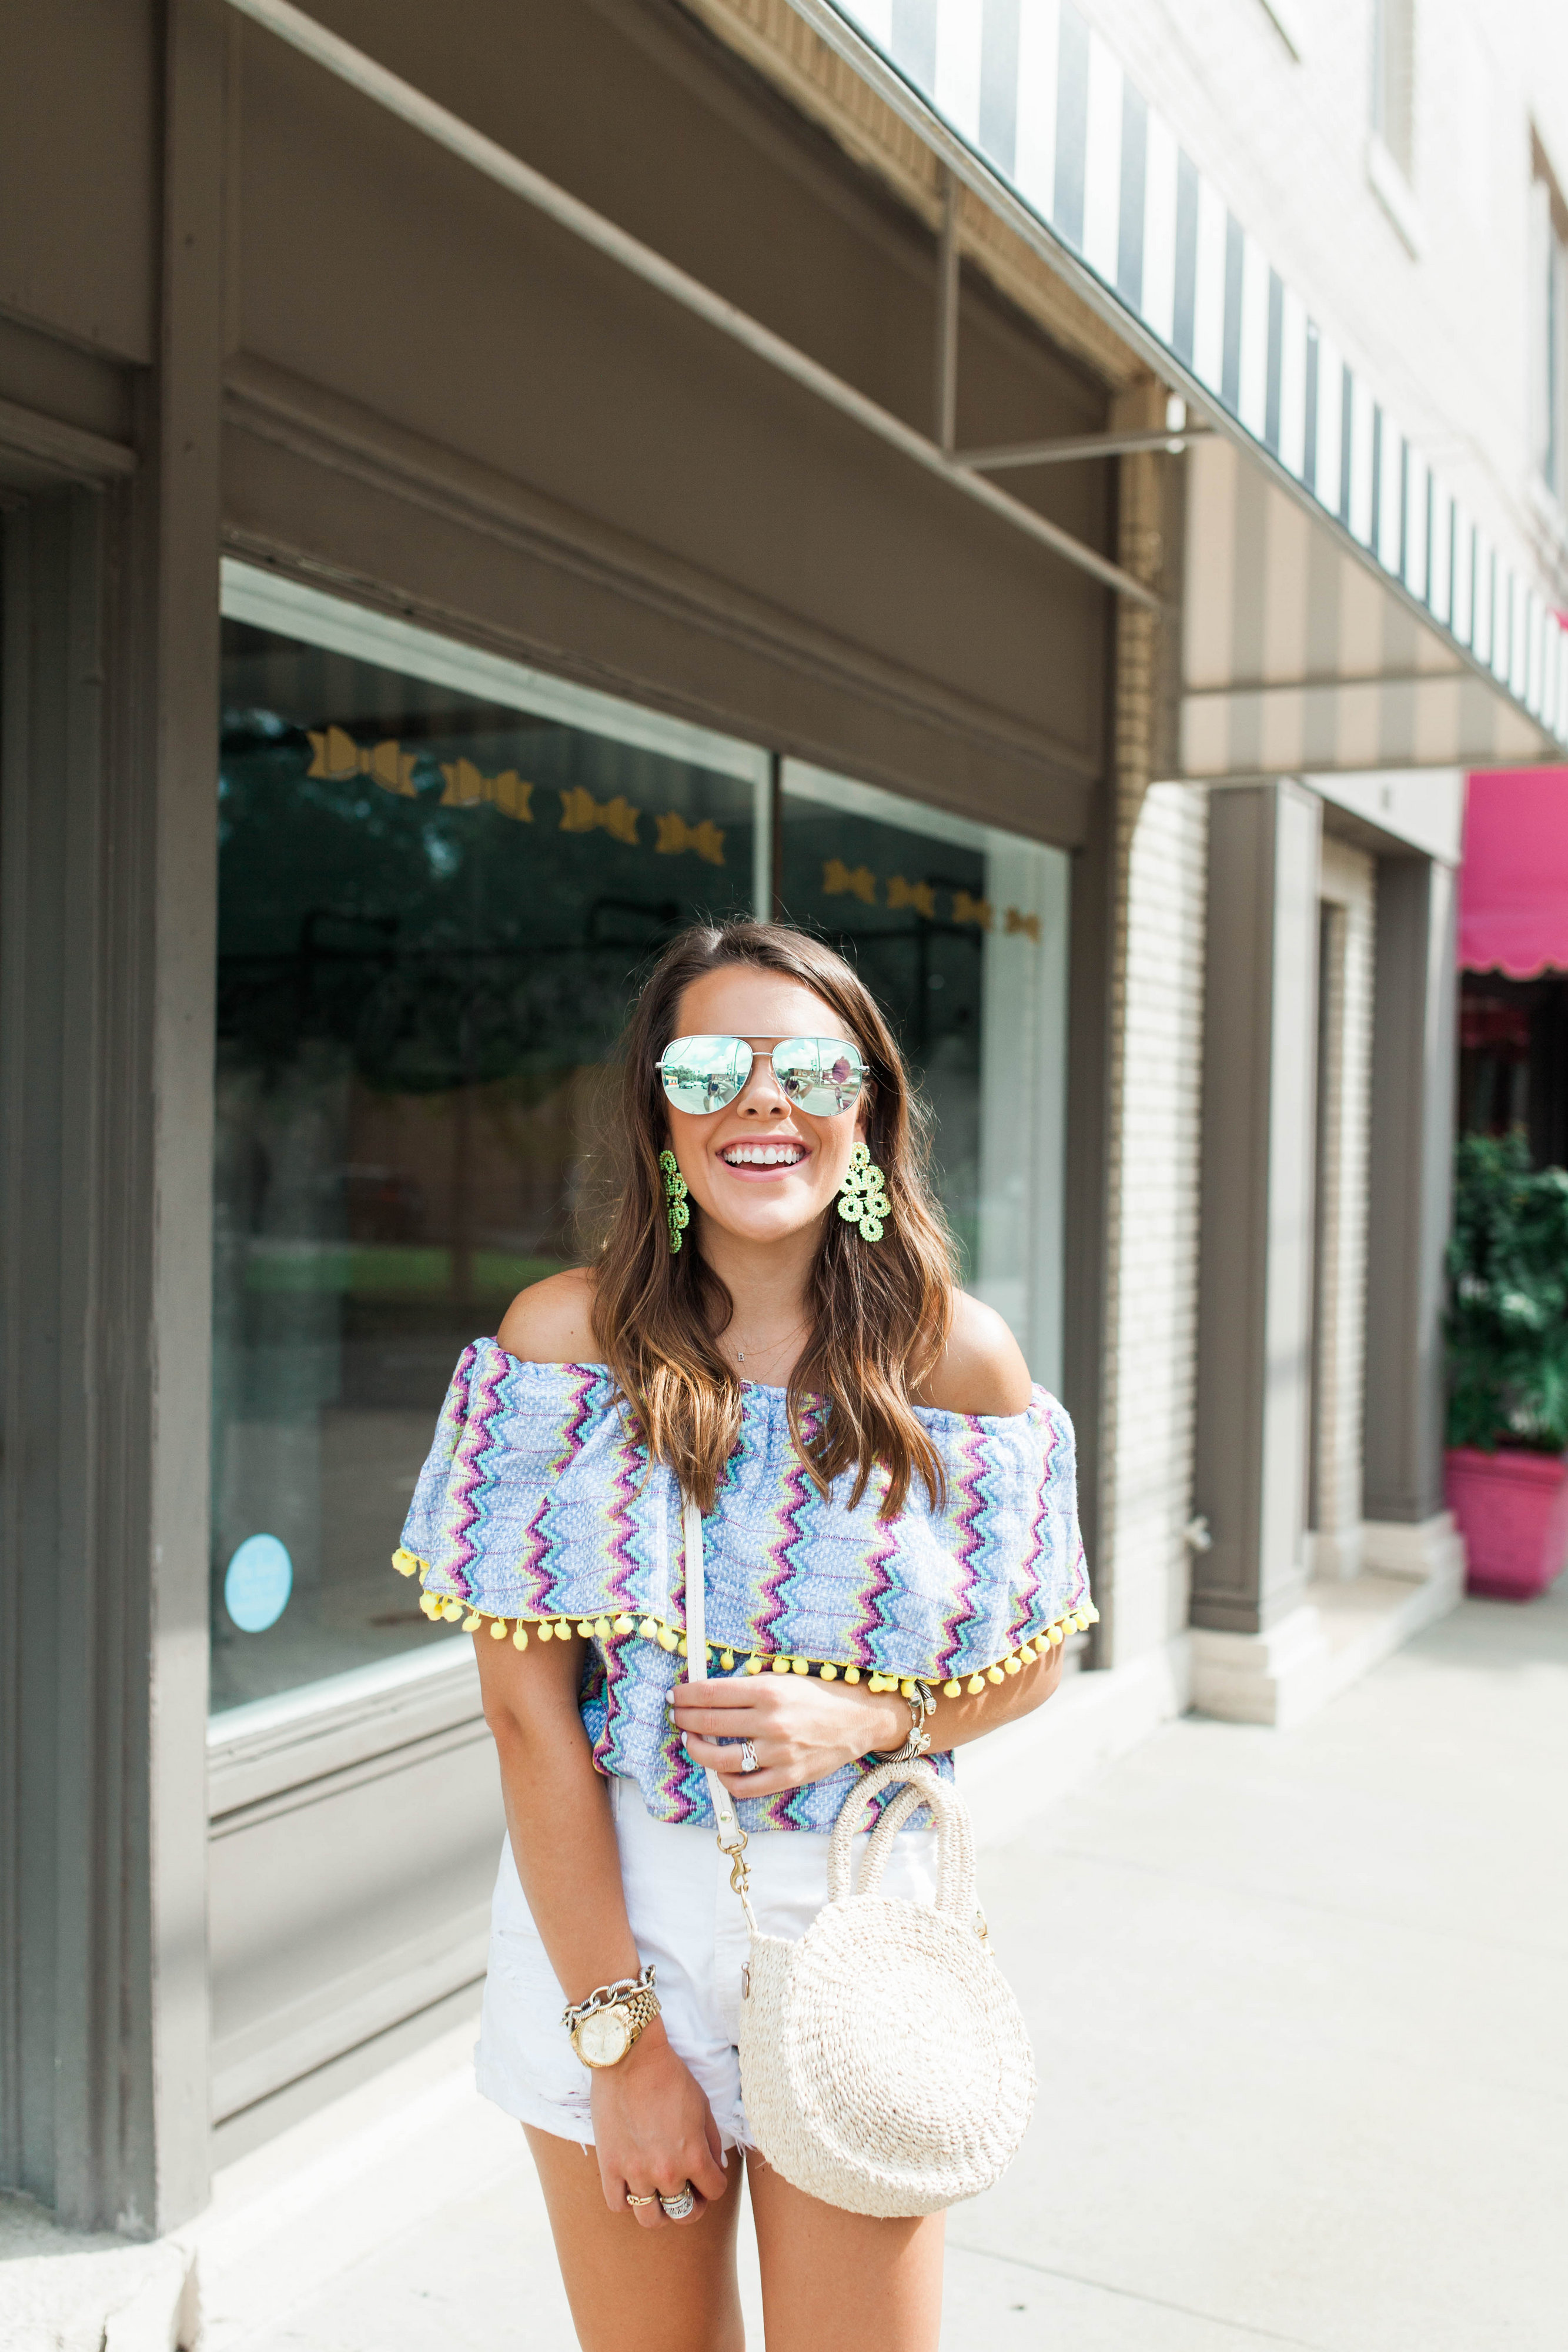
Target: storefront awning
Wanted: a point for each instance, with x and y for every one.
(1513, 885)
(1342, 610)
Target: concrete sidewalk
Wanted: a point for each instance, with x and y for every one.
(1298, 2001)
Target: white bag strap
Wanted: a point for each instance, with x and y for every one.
(731, 1836)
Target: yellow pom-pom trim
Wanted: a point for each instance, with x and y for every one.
(404, 1561)
(907, 1688)
(803, 1665)
(754, 1665)
(601, 1629)
(951, 1690)
(452, 1610)
(625, 1625)
(829, 1673)
(1012, 1666)
(471, 1623)
(780, 1666)
(497, 1629)
(993, 1673)
(851, 1674)
(547, 1630)
(520, 1638)
(975, 1685)
(1056, 1637)
(876, 1684)
(665, 1638)
(648, 1629)
(681, 1646)
(727, 1660)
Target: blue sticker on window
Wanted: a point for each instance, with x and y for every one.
(259, 1580)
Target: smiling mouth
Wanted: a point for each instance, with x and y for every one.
(763, 1155)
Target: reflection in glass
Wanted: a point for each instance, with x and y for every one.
(433, 909)
(961, 932)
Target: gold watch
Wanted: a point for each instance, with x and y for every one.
(606, 2025)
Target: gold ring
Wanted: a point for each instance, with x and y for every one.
(632, 2199)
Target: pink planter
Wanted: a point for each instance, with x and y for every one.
(1512, 1510)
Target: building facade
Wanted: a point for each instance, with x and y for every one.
(1054, 500)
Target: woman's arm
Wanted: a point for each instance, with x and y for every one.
(803, 1728)
(652, 2128)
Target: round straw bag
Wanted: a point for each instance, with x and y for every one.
(884, 2064)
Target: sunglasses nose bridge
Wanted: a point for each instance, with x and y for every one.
(763, 1081)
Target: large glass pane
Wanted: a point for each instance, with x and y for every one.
(961, 931)
(439, 878)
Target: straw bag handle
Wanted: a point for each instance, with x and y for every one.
(955, 1839)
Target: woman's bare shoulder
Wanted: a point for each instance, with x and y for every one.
(551, 1322)
(981, 1368)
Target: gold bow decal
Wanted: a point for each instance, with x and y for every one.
(468, 785)
(839, 880)
(337, 755)
(1028, 924)
(580, 813)
(971, 910)
(675, 835)
(920, 896)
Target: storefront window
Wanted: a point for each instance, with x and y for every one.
(961, 930)
(439, 880)
(441, 876)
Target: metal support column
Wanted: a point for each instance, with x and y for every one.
(1410, 1165)
(1256, 1235)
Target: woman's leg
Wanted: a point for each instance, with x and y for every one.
(636, 2290)
(835, 2281)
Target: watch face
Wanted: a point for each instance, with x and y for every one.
(603, 2038)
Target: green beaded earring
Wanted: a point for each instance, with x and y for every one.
(863, 1197)
(675, 1208)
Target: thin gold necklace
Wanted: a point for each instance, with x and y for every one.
(772, 1346)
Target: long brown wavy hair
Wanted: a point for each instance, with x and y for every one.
(878, 1311)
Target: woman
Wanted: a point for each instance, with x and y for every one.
(892, 1559)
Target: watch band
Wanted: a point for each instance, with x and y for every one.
(607, 1996)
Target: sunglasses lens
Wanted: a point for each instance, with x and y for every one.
(821, 1075)
(704, 1073)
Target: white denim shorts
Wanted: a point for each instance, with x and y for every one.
(687, 1920)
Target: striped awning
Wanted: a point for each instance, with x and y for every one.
(1342, 608)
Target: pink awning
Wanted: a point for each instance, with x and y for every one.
(1513, 885)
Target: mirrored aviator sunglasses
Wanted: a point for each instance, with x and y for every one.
(821, 1075)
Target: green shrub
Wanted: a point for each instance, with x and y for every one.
(1508, 1299)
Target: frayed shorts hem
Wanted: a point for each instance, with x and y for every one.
(563, 2123)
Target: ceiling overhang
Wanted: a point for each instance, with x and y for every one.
(1342, 610)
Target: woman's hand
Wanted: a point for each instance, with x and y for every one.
(801, 1728)
(654, 2131)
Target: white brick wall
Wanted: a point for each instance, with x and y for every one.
(1151, 1356)
(1349, 883)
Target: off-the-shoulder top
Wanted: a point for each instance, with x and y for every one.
(539, 1511)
